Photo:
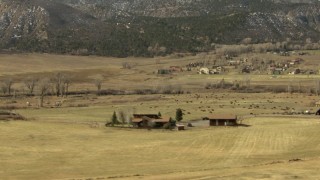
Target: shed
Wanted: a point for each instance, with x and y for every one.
(180, 127)
(223, 120)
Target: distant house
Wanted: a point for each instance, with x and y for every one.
(246, 70)
(296, 71)
(277, 71)
(217, 69)
(214, 70)
(149, 120)
(222, 120)
(176, 69)
(204, 71)
(284, 53)
(234, 62)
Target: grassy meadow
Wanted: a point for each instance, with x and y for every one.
(46, 150)
(66, 143)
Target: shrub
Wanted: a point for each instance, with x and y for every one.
(179, 115)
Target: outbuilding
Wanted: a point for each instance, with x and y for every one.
(180, 127)
(222, 120)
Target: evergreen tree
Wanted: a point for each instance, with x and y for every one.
(159, 114)
(172, 122)
(114, 119)
(179, 115)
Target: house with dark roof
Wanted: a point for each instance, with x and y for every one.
(149, 120)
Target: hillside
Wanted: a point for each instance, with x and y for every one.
(146, 28)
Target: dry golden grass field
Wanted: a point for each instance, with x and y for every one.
(84, 70)
(71, 142)
(47, 150)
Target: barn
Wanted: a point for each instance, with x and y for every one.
(222, 120)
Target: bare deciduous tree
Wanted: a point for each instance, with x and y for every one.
(44, 86)
(98, 84)
(61, 83)
(125, 116)
(66, 84)
(30, 83)
(317, 86)
(122, 117)
(4, 88)
(8, 85)
(58, 83)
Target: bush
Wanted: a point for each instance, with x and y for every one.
(168, 126)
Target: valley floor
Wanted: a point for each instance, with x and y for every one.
(71, 142)
(265, 150)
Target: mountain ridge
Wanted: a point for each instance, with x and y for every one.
(137, 27)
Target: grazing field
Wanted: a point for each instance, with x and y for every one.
(278, 140)
(92, 108)
(84, 70)
(46, 150)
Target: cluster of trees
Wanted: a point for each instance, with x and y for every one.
(58, 84)
(124, 117)
(245, 86)
(247, 46)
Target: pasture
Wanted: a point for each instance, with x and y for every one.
(47, 150)
(84, 70)
(71, 141)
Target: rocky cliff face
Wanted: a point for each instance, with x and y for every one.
(169, 8)
(19, 19)
(300, 22)
(75, 24)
